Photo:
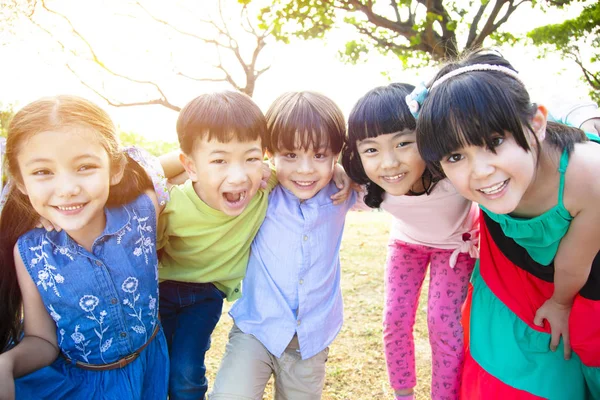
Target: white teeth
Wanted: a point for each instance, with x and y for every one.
(494, 189)
(302, 183)
(392, 178)
(69, 208)
(242, 196)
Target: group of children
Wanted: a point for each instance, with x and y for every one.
(120, 298)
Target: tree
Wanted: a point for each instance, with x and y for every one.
(413, 30)
(218, 36)
(576, 39)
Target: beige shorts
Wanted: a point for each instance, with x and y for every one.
(247, 366)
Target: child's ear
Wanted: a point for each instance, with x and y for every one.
(538, 122)
(189, 166)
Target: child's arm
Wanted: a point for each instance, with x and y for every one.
(39, 346)
(344, 183)
(173, 168)
(576, 252)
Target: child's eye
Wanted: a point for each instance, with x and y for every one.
(402, 144)
(454, 158)
(291, 155)
(254, 159)
(41, 172)
(497, 141)
(87, 167)
(370, 151)
(218, 161)
(320, 156)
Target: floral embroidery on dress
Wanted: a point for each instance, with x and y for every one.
(47, 276)
(130, 286)
(55, 316)
(145, 244)
(81, 343)
(88, 303)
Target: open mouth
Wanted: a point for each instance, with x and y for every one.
(235, 198)
(393, 178)
(497, 188)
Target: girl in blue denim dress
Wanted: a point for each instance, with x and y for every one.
(79, 306)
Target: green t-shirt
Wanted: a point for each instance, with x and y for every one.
(200, 244)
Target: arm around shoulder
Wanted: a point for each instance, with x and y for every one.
(39, 346)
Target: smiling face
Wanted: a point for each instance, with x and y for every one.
(66, 175)
(498, 181)
(392, 161)
(304, 172)
(226, 175)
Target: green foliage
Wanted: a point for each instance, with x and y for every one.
(155, 147)
(415, 31)
(577, 39)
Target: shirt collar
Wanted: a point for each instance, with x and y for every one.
(116, 219)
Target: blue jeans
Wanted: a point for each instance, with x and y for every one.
(189, 313)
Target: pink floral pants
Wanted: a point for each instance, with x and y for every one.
(405, 271)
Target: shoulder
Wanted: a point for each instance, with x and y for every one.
(582, 186)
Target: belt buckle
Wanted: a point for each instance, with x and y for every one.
(127, 359)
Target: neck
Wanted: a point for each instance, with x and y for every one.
(542, 193)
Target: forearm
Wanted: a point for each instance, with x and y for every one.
(171, 164)
(568, 281)
(31, 354)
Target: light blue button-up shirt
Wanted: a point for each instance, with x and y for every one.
(292, 285)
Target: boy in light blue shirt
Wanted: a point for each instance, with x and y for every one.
(291, 308)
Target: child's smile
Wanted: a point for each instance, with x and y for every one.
(67, 185)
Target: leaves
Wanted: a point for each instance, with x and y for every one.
(577, 39)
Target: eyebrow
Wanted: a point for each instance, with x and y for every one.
(80, 157)
(219, 152)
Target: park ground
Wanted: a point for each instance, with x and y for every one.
(356, 365)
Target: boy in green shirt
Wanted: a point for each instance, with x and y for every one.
(206, 229)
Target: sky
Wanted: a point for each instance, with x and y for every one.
(32, 65)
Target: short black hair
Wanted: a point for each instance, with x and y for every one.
(223, 115)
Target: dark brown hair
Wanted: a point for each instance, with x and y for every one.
(305, 119)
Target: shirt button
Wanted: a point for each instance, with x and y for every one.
(305, 238)
(298, 322)
(301, 281)
(114, 301)
(236, 290)
(123, 334)
(98, 263)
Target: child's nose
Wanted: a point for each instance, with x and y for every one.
(390, 160)
(306, 166)
(237, 175)
(68, 187)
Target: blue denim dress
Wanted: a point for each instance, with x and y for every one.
(105, 306)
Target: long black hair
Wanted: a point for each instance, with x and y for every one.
(471, 108)
(380, 111)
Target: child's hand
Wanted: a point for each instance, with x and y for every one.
(557, 316)
(344, 183)
(47, 225)
(266, 175)
(592, 125)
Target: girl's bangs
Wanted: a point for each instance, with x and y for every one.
(380, 112)
(466, 112)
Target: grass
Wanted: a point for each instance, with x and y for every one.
(356, 366)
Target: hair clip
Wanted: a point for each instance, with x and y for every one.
(415, 99)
